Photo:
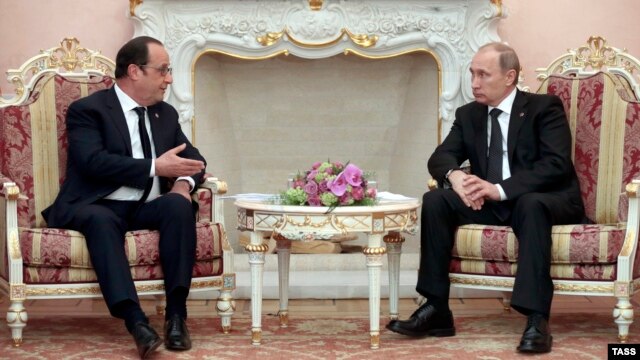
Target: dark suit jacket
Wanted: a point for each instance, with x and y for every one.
(99, 154)
(538, 143)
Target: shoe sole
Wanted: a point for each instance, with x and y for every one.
(432, 332)
(534, 350)
(151, 349)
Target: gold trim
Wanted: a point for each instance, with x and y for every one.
(284, 318)
(257, 248)
(269, 38)
(393, 237)
(375, 341)
(132, 6)
(374, 250)
(18, 292)
(346, 52)
(315, 5)
(95, 289)
(632, 189)
(12, 192)
(69, 59)
(362, 40)
(256, 336)
(508, 283)
(498, 4)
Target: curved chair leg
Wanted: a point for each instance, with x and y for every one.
(161, 304)
(17, 320)
(506, 301)
(225, 306)
(623, 316)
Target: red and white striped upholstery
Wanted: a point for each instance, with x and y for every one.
(41, 262)
(594, 259)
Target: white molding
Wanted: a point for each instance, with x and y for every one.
(452, 30)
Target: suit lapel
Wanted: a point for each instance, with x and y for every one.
(518, 115)
(480, 124)
(156, 129)
(118, 118)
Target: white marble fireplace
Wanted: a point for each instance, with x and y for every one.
(267, 87)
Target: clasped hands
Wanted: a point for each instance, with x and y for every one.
(171, 165)
(473, 190)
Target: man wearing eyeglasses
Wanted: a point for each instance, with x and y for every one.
(131, 167)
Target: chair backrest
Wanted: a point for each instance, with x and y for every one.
(33, 141)
(605, 127)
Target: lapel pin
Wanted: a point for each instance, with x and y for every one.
(521, 114)
(158, 116)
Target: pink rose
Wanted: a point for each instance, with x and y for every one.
(371, 193)
(314, 200)
(311, 188)
(298, 183)
(316, 165)
(346, 199)
(357, 193)
(322, 187)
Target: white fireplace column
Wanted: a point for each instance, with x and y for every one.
(449, 30)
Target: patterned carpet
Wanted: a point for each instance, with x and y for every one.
(576, 336)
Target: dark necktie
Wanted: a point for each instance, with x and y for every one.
(146, 147)
(494, 159)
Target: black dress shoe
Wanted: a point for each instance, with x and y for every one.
(536, 337)
(147, 339)
(176, 334)
(426, 321)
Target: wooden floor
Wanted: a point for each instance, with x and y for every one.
(317, 307)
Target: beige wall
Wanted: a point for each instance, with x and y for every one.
(539, 30)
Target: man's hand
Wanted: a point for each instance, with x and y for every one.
(170, 164)
(473, 190)
(478, 190)
(182, 187)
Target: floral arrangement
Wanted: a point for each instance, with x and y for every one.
(330, 184)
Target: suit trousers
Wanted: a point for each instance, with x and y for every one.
(104, 224)
(532, 216)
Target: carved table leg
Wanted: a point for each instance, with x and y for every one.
(284, 253)
(394, 249)
(374, 253)
(256, 250)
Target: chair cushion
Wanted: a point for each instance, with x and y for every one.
(571, 244)
(59, 255)
(604, 272)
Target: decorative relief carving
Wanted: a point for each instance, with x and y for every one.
(592, 57)
(68, 59)
(451, 31)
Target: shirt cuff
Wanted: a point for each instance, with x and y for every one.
(192, 183)
(152, 173)
(503, 196)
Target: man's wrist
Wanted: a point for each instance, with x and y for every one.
(447, 175)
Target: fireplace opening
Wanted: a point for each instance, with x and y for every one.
(257, 121)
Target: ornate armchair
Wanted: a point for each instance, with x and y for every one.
(597, 85)
(37, 262)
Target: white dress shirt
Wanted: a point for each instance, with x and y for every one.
(503, 120)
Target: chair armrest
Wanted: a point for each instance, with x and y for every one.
(627, 256)
(9, 239)
(432, 184)
(208, 198)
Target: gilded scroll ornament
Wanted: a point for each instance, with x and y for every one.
(68, 59)
(132, 6)
(315, 5)
(361, 40)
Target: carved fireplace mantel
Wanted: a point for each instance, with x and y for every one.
(449, 30)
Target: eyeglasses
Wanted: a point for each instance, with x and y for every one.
(163, 70)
